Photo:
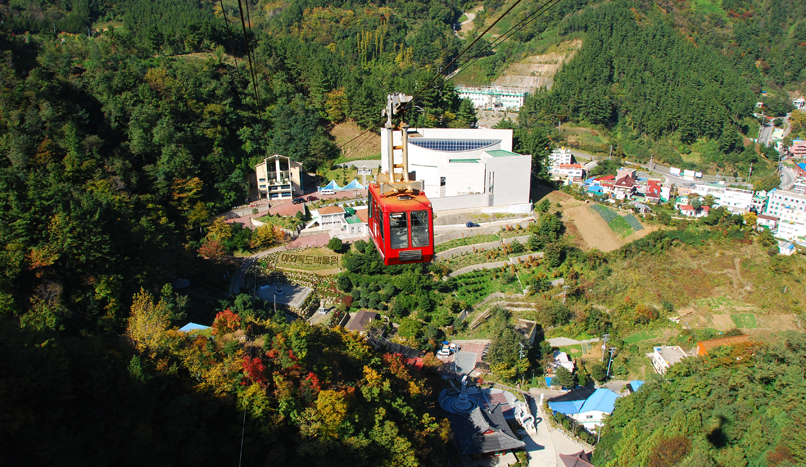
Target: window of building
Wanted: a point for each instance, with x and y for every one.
(442, 181)
(453, 145)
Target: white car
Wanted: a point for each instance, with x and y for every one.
(444, 353)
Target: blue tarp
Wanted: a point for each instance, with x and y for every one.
(595, 189)
(332, 186)
(634, 385)
(193, 327)
(802, 165)
(354, 185)
(602, 400)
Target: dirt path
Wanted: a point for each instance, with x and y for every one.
(593, 229)
(467, 25)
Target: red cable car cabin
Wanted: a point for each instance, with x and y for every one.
(401, 225)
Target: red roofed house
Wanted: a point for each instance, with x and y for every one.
(653, 188)
(624, 188)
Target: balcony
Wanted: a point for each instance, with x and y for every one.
(279, 177)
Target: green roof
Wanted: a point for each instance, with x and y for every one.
(352, 220)
(501, 153)
(464, 161)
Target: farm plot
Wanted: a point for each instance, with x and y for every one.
(633, 222)
(617, 224)
(744, 320)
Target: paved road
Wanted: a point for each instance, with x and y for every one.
(563, 341)
(764, 135)
(788, 177)
(368, 164)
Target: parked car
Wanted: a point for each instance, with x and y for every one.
(312, 198)
(444, 353)
(327, 191)
(298, 200)
(472, 224)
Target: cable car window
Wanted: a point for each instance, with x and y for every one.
(398, 230)
(419, 229)
(371, 204)
(378, 215)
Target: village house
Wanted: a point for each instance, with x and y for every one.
(567, 172)
(689, 211)
(561, 156)
(360, 320)
(664, 357)
(624, 187)
(588, 406)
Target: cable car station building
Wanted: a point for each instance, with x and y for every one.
(467, 168)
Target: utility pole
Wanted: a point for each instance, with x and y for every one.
(611, 152)
(750, 173)
(605, 338)
(610, 362)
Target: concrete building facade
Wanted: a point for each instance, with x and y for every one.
(493, 97)
(278, 177)
(466, 168)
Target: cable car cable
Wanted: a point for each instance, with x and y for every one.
(249, 54)
(520, 25)
(229, 37)
(440, 72)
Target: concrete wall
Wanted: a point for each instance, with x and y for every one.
(458, 202)
(512, 179)
(462, 178)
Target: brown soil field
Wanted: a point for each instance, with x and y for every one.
(364, 147)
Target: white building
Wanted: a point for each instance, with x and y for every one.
(561, 156)
(736, 200)
(493, 97)
(561, 359)
(573, 172)
(331, 217)
(799, 103)
(782, 201)
(278, 177)
(466, 168)
(664, 356)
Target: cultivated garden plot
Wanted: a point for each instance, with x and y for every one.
(623, 226)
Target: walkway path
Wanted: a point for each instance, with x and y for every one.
(563, 341)
(448, 254)
(477, 267)
(470, 17)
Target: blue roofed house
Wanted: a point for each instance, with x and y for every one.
(588, 406)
